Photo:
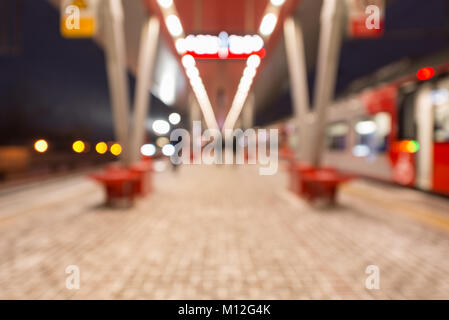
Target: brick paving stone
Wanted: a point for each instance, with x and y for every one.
(215, 233)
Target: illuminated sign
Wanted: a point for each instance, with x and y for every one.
(78, 18)
(366, 18)
(222, 46)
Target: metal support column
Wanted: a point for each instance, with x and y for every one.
(147, 55)
(248, 112)
(195, 111)
(294, 45)
(332, 17)
(117, 73)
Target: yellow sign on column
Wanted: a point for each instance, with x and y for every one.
(78, 18)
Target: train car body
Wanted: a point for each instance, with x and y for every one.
(396, 130)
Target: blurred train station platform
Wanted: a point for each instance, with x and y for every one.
(202, 236)
(224, 149)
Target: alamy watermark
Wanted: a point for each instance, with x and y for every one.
(73, 17)
(72, 282)
(372, 282)
(229, 147)
(373, 19)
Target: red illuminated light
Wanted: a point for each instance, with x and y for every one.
(261, 53)
(425, 73)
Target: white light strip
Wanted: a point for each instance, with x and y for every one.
(242, 92)
(266, 28)
(176, 30)
(270, 17)
(222, 44)
(268, 24)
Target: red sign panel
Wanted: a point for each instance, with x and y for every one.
(366, 18)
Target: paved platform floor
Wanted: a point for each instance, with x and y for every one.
(222, 233)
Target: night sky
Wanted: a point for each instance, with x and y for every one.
(56, 87)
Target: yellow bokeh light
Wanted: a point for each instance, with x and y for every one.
(101, 147)
(162, 141)
(78, 146)
(116, 149)
(41, 145)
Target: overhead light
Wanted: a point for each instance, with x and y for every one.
(174, 118)
(188, 61)
(249, 73)
(221, 46)
(165, 3)
(161, 126)
(246, 44)
(196, 82)
(168, 150)
(207, 45)
(277, 3)
(253, 61)
(174, 25)
(268, 24)
(192, 73)
(180, 46)
(148, 150)
(242, 91)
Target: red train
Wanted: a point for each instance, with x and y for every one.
(397, 130)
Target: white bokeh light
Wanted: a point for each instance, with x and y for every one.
(165, 3)
(174, 26)
(253, 61)
(168, 150)
(268, 24)
(188, 61)
(174, 118)
(148, 150)
(277, 3)
(161, 126)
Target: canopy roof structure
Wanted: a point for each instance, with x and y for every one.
(212, 17)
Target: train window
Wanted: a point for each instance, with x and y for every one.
(406, 114)
(336, 135)
(372, 135)
(440, 98)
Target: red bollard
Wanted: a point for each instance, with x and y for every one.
(322, 184)
(120, 185)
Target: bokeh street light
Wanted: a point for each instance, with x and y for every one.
(116, 149)
(101, 147)
(41, 146)
(78, 146)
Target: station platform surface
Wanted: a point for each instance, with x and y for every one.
(211, 232)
